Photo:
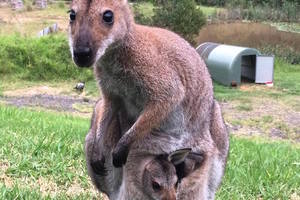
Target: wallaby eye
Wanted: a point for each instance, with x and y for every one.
(72, 15)
(156, 186)
(108, 17)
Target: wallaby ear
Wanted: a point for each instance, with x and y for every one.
(197, 158)
(192, 162)
(179, 156)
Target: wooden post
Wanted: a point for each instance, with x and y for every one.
(17, 5)
(41, 4)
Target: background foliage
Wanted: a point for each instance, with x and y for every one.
(181, 16)
(46, 58)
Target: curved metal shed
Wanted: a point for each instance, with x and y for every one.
(227, 64)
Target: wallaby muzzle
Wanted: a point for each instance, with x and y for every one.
(83, 56)
(83, 52)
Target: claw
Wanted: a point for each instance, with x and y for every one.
(99, 167)
(120, 156)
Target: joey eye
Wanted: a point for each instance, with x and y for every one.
(156, 186)
(108, 17)
(72, 15)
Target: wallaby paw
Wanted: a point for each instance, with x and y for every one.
(120, 155)
(99, 167)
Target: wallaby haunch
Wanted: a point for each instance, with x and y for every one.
(152, 81)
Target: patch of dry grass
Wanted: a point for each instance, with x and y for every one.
(28, 88)
(263, 116)
(6, 180)
(48, 187)
(29, 23)
(248, 34)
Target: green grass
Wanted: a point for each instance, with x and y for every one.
(258, 169)
(27, 62)
(145, 8)
(244, 107)
(287, 77)
(291, 27)
(49, 146)
(92, 88)
(224, 93)
(286, 81)
(210, 11)
(34, 59)
(35, 145)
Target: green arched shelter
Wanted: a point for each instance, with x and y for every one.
(227, 64)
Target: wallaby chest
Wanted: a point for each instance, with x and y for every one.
(121, 85)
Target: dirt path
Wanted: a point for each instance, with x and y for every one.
(250, 117)
(53, 102)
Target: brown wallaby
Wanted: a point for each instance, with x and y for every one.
(158, 87)
(113, 182)
(107, 178)
(157, 177)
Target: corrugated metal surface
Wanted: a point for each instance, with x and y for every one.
(206, 48)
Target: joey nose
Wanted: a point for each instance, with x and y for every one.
(83, 56)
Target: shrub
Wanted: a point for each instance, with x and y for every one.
(29, 8)
(271, 10)
(47, 58)
(211, 2)
(61, 4)
(291, 11)
(288, 13)
(143, 13)
(287, 54)
(278, 4)
(181, 16)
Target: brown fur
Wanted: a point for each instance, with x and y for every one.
(166, 171)
(157, 93)
(194, 186)
(105, 177)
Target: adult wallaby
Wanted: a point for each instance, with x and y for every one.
(145, 176)
(157, 81)
(120, 183)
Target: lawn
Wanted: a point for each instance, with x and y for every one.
(286, 83)
(41, 157)
(261, 170)
(291, 27)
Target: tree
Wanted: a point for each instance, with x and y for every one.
(180, 16)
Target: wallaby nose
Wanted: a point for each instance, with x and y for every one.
(83, 56)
